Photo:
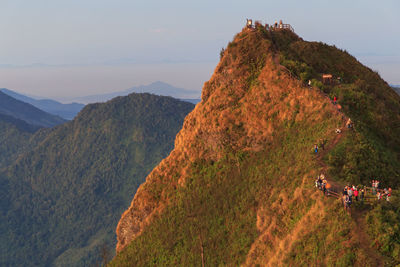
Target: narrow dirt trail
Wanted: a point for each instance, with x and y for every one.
(360, 231)
(321, 154)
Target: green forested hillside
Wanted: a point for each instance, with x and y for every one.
(15, 137)
(241, 189)
(61, 201)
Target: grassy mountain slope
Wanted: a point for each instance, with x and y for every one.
(61, 201)
(66, 111)
(238, 187)
(26, 112)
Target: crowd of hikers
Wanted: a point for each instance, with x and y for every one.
(352, 193)
(322, 184)
(321, 145)
(386, 193)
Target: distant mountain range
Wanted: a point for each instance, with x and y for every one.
(157, 88)
(69, 111)
(20, 110)
(66, 111)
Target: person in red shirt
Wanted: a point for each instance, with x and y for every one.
(356, 194)
(334, 100)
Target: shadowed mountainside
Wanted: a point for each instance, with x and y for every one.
(61, 200)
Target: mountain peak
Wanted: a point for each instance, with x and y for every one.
(159, 83)
(238, 188)
(248, 100)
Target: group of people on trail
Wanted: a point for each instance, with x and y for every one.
(375, 186)
(385, 193)
(349, 124)
(350, 192)
(321, 144)
(315, 148)
(322, 184)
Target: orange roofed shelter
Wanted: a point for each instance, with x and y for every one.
(327, 78)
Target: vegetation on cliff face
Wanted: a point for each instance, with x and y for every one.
(239, 186)
(61, 200)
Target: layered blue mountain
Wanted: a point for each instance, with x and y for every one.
(26, 112)
(66, 111)
(157, 88)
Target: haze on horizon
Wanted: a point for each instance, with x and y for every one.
(63, 49)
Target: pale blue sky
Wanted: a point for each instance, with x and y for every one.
(98, 46)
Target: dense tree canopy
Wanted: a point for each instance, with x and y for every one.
(61, 200)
